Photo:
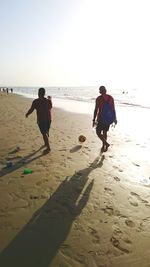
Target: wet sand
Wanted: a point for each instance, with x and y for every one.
(78, 208)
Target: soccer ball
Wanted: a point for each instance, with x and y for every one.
(82, 138)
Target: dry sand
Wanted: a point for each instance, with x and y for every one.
(78, 208)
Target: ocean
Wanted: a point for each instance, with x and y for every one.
(88, 94)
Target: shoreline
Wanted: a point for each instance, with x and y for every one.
(78, 208)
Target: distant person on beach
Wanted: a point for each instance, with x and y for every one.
(43, 108)
(105, 115)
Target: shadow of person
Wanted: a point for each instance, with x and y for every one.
(39, 241)
(21, 162)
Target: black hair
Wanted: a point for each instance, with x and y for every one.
(41, 91)
(102, 89)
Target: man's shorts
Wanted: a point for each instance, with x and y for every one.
(44, 126)
(101, 127)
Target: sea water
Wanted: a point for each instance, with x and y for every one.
(88, 94)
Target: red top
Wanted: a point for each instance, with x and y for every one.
(101, 100)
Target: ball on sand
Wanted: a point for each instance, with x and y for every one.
(82, 138)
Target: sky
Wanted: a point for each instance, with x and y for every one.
(75, 43)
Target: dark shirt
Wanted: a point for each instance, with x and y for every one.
(43, 109)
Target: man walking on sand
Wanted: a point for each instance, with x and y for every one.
(105, 115)
(43, 110)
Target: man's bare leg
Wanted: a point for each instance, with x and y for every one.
(104, 142)
(105, 137)
(46, 142)
(105, 134)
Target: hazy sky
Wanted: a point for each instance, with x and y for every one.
(75, 42)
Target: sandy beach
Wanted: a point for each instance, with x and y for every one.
(78, 208)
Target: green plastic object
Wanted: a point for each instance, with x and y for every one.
(27, 171)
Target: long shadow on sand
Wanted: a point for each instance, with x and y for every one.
(39, 241)
(22, 162)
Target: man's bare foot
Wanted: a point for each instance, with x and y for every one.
(46, 151)
(106, 147)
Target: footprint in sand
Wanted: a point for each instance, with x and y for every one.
(128, 140)
(85, 152)
(117, 232)
(110, 211)
(116, 178)
(134, 203)
(45, 195)
(69, 158)
(116, 243)
(147, 219)
(144, 225)
(119, 169)
(94, 234)
(86, 147)
(138, 197)
(126, 240)
(108, 190)
(34, 197)
(130, 223)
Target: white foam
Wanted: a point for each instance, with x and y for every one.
(74, 106)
